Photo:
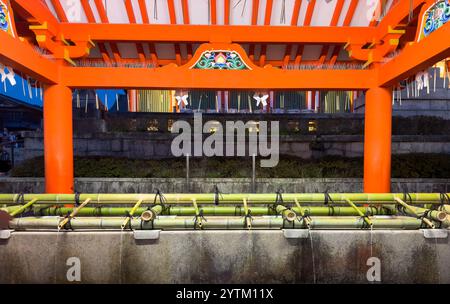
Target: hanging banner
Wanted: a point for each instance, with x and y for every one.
(7, 18)
(433, 18)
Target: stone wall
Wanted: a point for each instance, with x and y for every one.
(139, 145)
(226, 185)
(220, 257)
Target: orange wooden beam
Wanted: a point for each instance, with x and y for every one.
(309, 13)
(306, 23)
(91, 19)
(144, 11)
(294, 21)
(226, 15)
(374, 20)
(130, 12)
(58, 142)
(185, 7)
(337, 12)
(38, 11)
(397, 15)
(255, 10)
(180, 77)
(132, 19)
(88, 11)
(101, 11)
(59, 11)
(146, 20)
(377, 140)
(333, 22)
(416, 57)
(104, 18)
(267, 17)
(205, 33)
(350, 13)
(347, 21)
(213, 12)
(173, 21)
(22, 57)
(187, 20)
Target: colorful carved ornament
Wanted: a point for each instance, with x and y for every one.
(220, 60)
(434, 17)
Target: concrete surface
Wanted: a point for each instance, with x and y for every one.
(224, 257)
(226, 185)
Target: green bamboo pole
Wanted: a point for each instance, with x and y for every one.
(209, 198)
(49, 210)
(73, 214)
(427, 214)
(187, 223)
(198, 217)
(23, 208)
(287, 214)
(133, 210)
(416, 212)
(247, 217)
(152, 213)
(306, 219)
(366, 219)
(445, 208)
(34, 209)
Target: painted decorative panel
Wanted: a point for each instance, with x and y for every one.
(434, 17)
(6, 22)
(220, 60)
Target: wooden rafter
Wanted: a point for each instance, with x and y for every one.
(306, 22)
(255, 10)
(104, 18)
(267, 17)
(186, 20)
(144, 12)
(59, 11)
(333, 22)
(146, 20)
(213, 12)
(132, 19)
(173, 20)
(294, 21)
(91, 19)
(226, 14)
(347, 21)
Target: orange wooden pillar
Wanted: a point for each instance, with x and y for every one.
(58, 141)
(377, 140)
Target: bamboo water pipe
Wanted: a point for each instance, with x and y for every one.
(302, 212)
(152, 213)
(366, 219)
(24, 207)
(288, 214)
(417, 212)
(73, 214)
(209, 198)
(187, 223)
(49, 210)
(130, 215)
